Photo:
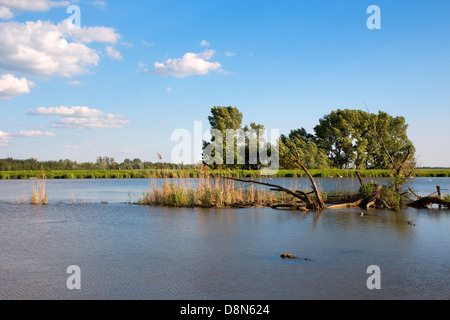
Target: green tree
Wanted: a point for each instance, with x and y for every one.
(358, 139)
(223, 119)
(311, 155)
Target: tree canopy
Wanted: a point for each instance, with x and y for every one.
(344, 139)
(355, 138)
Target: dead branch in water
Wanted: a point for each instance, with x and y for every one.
(296, 194)
(320, 203)
(424, 202)
(358, 175)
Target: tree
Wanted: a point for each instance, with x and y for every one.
(254, 133)
(137, 164)
(223, 119)
(351, 139)
(312, 156)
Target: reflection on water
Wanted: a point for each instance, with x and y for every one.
(131, 252)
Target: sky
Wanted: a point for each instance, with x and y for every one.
(135, 71)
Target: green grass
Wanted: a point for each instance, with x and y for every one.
(158, 173)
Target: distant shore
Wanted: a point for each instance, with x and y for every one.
(168, 173)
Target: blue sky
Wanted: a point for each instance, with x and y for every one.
(284, 64)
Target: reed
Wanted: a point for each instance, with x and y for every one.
(208, 193)
(38, 194)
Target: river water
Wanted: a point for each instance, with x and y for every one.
(131, 252)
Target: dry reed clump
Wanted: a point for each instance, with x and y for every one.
(38, 194)
(208, 193)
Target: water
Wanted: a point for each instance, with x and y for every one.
(131, 252)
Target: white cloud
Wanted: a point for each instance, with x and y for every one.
(5, 13)
(76, 83)
(113, 53)
(82, 117)
(230, 54)
(89, 34)
(34, 134)
(190, 64)
(70, 147)
(204, 43)
(4, 137)
(169, 89)
(43, 49)
(11, 87)
(33, 5)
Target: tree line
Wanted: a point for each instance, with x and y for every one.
(343, 139)
(102, 163)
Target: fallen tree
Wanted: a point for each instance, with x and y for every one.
(305, 202)
(425, 202)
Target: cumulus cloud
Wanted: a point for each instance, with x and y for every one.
(204, 43)
(70, 147)
(230, 54)
(11, 87)
(82, 117)
(5, 13)
(42, 48)
(113, 53)
(4, 137)
(190, 64)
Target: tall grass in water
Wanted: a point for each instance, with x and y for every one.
(38, 194)
(209, 193)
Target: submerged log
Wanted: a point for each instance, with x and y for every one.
(373, 200)
(425, 202)
(282, 206)
(291, 256)
(346, 205)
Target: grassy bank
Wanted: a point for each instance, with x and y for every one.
(141, 174)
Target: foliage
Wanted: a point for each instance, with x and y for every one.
(392, 198)
(230, 118)
(351, 139)
(387, 193)
(366, 189)
(311, 155)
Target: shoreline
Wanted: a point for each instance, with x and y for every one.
(190, 173)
